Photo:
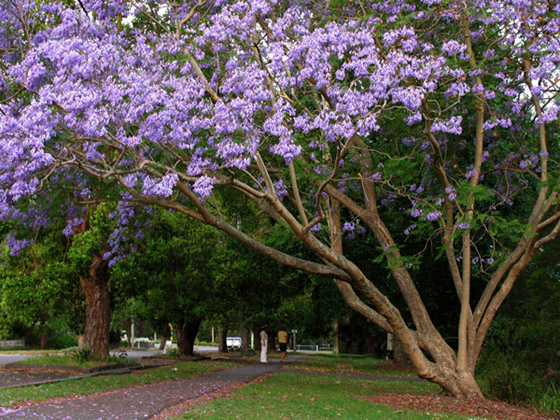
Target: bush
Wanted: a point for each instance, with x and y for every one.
(62, 341)
(508, 378)
(509, 381)
(81, 354)
(549, 402)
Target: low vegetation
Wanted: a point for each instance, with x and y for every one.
(350, 364)
(301, 396)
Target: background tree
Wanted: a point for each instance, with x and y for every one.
(329, 119)
(171, 276)
(86, 256)
(38, 288)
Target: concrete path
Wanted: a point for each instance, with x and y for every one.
(143, 402)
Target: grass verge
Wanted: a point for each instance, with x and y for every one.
(350, 364)
(70, 361)
(108, 382)
(300, 396)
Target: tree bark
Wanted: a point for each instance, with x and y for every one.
(222, 340)
(186, 334)
(399, 356)
(129, 332)
(271, 342)
(98, 308)
(245, 338)
(163, 341)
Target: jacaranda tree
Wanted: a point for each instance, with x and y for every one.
(333, 118)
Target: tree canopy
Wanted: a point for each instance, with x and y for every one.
(333, 118)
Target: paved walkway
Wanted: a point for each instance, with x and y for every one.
(143, 402)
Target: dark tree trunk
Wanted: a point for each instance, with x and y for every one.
(222, 340)
(336, 337)
(98, 308)
(399, 355)
(271, 346)
(370, 346)
(162, 341)
(129, 332)
(186, 334)
(246, 338)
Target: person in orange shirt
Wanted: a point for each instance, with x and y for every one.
(282, 342)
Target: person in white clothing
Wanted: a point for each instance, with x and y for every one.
(264, 344)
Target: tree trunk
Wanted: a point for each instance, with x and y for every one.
(186, 334)
(163, 341)
(399, 356)
(457, 384)
(271, 342)
(129, 332)
(245, 338)
(98, 308)
(336, 338)
(222, 340)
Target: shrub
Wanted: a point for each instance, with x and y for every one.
(549, 402)
(81, 354)
(62, 341)
(508, 380)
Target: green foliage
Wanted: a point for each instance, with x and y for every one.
(520, 361)
(62, 341)
(92, 241)
(38, 286)
(171, 278)
(81, 354)
(549, 401)
(508, 380)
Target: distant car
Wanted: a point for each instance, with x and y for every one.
(233, 342)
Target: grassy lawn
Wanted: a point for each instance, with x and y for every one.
(348, 364)
(108, 382)
(300, 396)
(65, 360)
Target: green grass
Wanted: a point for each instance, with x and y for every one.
(108, 382)
(60, 360)
(348, 364)
(22, 350)
(300, 396)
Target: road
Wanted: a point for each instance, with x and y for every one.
(132, 354)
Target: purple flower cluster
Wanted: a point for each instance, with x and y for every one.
(84, 99)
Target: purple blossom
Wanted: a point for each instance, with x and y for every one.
(452, 125)
(433, 216)
(316, 227)
(71, 224)
(281, 189)
(204, 186)
(410, 229)
(161, 188)
(453, 47)
(416, 212)
(471, 173)
(348, 227)
(17, 245)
